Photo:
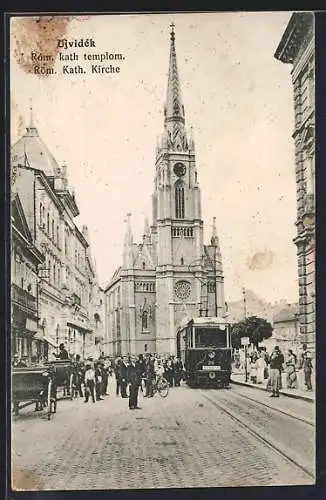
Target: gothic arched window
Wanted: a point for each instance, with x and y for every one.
(179, 200)
(144, 320)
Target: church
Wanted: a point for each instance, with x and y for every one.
(171, 274)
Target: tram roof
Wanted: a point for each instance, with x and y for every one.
(202, 321)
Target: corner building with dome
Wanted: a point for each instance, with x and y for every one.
(171, 273)
(55, 293)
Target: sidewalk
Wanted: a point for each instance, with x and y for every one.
(238, 377)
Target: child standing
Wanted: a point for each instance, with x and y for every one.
(89, 383)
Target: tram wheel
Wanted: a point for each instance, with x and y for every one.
(193, 383)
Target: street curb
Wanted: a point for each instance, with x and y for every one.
(295, 396)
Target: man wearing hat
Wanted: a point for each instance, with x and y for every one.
(307, 369)
(276, 363)
(63, 354)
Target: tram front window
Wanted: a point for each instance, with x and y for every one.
(210, 337)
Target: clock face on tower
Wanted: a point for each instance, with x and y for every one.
(179, 169)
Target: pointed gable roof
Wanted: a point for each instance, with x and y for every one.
(143, 255)
(21, 230)
(19, 220)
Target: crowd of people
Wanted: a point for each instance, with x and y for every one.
(131, 375)
(263, 366)
(90, 376)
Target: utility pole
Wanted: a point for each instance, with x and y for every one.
(244, 303)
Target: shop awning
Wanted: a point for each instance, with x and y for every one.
(81, 329)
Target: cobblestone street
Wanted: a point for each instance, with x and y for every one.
(184, 440)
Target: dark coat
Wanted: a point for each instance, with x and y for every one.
(122, 371)
(178, 366)
(276, 360)
(134, 374)
(150, 369)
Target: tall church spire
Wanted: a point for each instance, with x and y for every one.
(174, 109)
(174, 136)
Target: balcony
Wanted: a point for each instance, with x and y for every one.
(23, 299)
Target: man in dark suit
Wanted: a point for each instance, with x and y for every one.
(150, 376)
(133, 378)
(117, 364)
(178, 367)
(123, 376)
(63, 353)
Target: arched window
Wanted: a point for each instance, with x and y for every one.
(179, 200)
(144, 265)
(182, 261)
(144, 320)
(97, 319)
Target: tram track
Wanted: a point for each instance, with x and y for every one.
(264, 438)
(278, 410)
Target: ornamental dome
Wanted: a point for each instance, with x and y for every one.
(31, 149)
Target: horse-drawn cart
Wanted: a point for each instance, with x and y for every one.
(63, 375)
(34, 385)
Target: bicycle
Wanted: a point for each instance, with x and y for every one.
(160, 385)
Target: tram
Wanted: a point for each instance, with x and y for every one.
(204, 346)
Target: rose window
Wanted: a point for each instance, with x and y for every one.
(182, 289)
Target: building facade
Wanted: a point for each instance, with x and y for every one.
(285, 329)
(67, 278)
(171, 273)
(25, 260)
(297, 47)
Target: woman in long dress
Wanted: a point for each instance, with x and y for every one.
(291, 375)
(261, 365)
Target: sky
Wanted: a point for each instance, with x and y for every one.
(238, 99)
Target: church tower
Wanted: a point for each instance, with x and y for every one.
(171, 273)
(184, 265)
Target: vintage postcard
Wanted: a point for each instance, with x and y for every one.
(162, 195)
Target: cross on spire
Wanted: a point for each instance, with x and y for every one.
(31, 118)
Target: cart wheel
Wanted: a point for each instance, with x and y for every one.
(163, 388)
(70, 386)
